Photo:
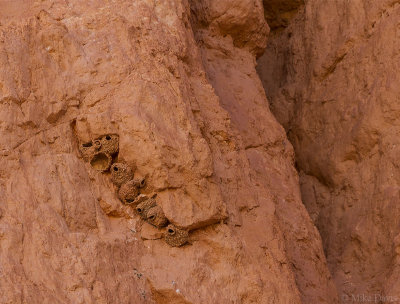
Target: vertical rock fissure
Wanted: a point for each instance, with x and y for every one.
(329, 72)
(230, 69)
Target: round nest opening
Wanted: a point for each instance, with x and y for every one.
(97, 144)
(101, 161)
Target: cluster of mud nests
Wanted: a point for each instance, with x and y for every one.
(101, 154)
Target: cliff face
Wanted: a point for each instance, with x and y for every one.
(330, 74)
(176, 81)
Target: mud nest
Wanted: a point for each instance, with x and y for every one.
(100, 153)
(101, 161)
(175, 236)
(87, 150)
(129, 191)
(143, 208)
(156, 217)
(106, 144)
(109, 144)
(121, 173)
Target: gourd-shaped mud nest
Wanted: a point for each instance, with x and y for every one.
(129, 191)
(143, 208)
(152, 213)
(121, 173)
(175, 236)
(156, 217)
(100, 151)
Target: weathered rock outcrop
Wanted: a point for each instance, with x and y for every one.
(331, 78)
(176, 81)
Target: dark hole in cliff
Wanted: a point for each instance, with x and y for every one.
(115, 169)
(279, 12)
(152, 217)
(108, 137)
(139, 210)
(171, 231)
(87, 145)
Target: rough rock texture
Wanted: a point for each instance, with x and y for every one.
(278, 13)
(332, 79)
(270, 177)
(176, 81)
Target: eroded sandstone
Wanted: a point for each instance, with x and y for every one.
(331, 78)
(176, 81)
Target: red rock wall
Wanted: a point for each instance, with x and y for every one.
(331, 78)
(176, 80)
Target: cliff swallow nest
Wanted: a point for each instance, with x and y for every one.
(100, 153)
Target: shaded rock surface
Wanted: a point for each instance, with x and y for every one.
(176, 81)
(331, 78)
